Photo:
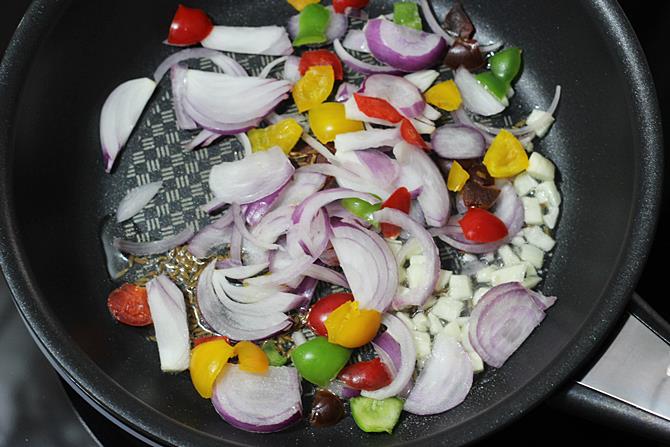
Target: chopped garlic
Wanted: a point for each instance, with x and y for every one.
(442, 280)
(417, 273)
(460, 287)
(524, 184)
(532, 255)
(484, 275)
(509, 274)
(534, 235)
(540, 167)
(435, 325)
(507, 255)
(550, 217)
(518, 240)
(477, 362)
(531, 281)
(540, 121)
(448, 309)
(420, 322)
(532, 212)
(453, 329)
(547, 193)
(422, 344)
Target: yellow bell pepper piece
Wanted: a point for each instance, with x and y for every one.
(457, 177)
(329, 119)
(506, 156)
(284, 134)
(314, 87)
(208, 361)
(251, 358)
(352, 327)
(444, 95)
(301, 4)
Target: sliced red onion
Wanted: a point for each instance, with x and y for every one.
(527, 129)
(433, 24)
(211, 236)
(383, 168)
(136, 199)
(154, 247)
(247, 294)
(178, 83)
(120, 113)
(355, 41)
(445, 379)
(397, 91)
(238, 221)
(430, 113)
(259, 403)
(508, 208)
(342, 391)
(242, 271)
(235, 248)
(234, 325)
(543, 302)
(368, 265)
(475, 96)
(269, 40)
(203, 139)
(367, 139)
(291, 69)
(434, 196)
(337, 211)
(359, 66)
(265, 72)
(457, 141)
(388, 351)
(252, 178)
(345, 91)
(271, 308)
(317, 146)
(303, 185)
(245, 142)
(326, 275)
(254, 211)
(423, 79)
(402, 47)
(284, 276)
(168, 312)
(306, 290)
(274, 224)
(403, 338)
(312, 243)
(305, 212)
(501, 321)
(358, 13)
(222, 102)
(227, 64)
(419, 294)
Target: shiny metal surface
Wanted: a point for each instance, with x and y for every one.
(635, 369)
(34, 409)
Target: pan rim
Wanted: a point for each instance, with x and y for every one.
(87, 378)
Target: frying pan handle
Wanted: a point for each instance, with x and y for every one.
(628, 386)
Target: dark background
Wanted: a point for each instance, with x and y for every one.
(546, 424)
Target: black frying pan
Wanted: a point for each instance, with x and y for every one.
(67, 56)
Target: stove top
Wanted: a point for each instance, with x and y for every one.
(38, 409)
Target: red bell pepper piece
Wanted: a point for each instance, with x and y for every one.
(479, 225)
(401, 200)
(367, 376)
(341, 5)
(321, 57)
(409, 133)
(377, 108)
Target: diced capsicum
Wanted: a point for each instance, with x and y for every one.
(313, 23)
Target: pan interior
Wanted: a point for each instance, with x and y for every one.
(61, 196)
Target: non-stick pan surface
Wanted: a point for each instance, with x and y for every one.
(68, 55)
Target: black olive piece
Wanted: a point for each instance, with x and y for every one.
(327, 409)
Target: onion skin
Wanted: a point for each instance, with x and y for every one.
(421, 50)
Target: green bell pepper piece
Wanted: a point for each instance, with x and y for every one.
(318, 361)
(407, 14)
(506, 64)
(269, 347)
(494, 84)
(362, 209)
(313, 22)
